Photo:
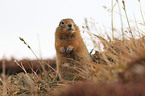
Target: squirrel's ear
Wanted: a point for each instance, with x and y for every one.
(74, 24)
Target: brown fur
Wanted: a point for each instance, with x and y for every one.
(70, 48)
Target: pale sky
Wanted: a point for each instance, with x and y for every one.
(36, 22)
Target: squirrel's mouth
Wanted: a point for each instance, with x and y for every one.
(69, 29)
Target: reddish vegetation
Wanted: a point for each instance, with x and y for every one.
(94, 89)
(131, 82)
(135, 72)
(13, 68)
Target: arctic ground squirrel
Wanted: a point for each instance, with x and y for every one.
(71, 52)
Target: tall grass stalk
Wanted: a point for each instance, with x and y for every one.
(124, 8)
(137, 26)
(112, 19)
(46, 76)
(4, 77)
(122, 30)
(40, 62)
(141, 12)
(39, 46)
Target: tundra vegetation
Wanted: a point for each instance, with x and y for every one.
(119, 68)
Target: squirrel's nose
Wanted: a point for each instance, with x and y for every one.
(69, 25)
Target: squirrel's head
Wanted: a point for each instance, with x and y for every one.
(68, 25)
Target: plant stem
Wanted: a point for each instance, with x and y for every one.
(112, 20)
(141, 13)
(121, 20)
(127, 18)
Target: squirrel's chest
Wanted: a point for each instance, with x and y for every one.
(65, 38)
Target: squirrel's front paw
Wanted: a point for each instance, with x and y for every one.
(62, 49)
(69, 48)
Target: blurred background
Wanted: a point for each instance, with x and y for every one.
(36, 21)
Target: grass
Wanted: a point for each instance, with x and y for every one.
(120, 68)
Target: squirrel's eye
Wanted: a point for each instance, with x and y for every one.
(62, 22)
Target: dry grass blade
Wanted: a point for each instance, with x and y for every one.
(28, 79)
(4, 77)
